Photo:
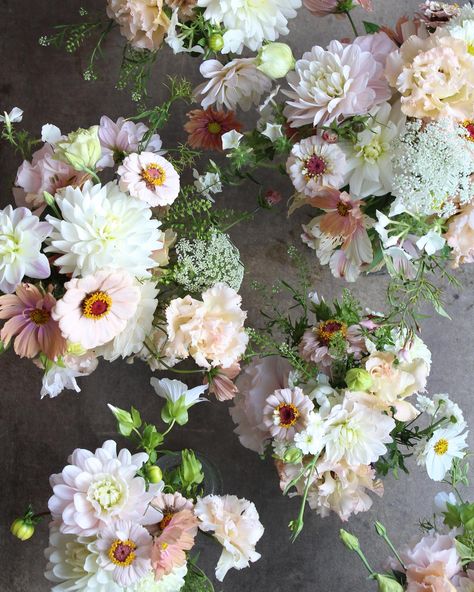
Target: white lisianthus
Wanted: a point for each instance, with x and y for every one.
(81, 149)
(175, 390)
(312, 439)
(431, 242)
(438, 453)
(50, 133)
(276, 60)
(102, 227)
(273, 131)
(442, 498)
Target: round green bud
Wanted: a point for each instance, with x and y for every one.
(216, 42)
(358, 379)
(275, 60)
(292, 455)
(22, 529)
(154, 474)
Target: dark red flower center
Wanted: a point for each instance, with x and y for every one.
(96, 305)
(166, 520)
(328, 329)
(469, 127)
(288, 414)
(122, 553)
(315, 166)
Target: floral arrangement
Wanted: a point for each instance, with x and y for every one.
(441, 560)
(335, 396)
(137, 267)
(120, 523)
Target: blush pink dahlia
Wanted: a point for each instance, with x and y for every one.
(29, 318)
(286, 413)
(330, 85)
(96, 308)
(149, 177)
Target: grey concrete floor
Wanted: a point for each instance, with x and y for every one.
(36, 436)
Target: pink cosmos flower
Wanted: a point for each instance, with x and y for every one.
(43, 173)
(122, 137)
(221, 384)
(149, 177)
(169, 548)
(96, 308)
(315, 345)
(29, 314)
(286, 413)
(169, 504)
(379, 45)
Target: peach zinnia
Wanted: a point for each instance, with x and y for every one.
(206, 127)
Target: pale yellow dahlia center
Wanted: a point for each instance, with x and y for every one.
(106, 492)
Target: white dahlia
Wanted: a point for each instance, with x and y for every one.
(95, 489)
(236, 84)
(102, 227)
(73, 564)
(250, 23)
(333, 84)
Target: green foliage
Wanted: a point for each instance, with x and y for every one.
(196, 580)
(371, 28)
(21, 141)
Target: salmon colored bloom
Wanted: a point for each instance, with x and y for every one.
(29, 318)
(207, 126)
(169, 548)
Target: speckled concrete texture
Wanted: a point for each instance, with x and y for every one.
(37, 436)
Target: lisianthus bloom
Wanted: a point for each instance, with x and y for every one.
(286, 412)
(29, 318)
(143, 22)
(21, 235)
(235, 523)
(169, 548)
(444, 446)
(435, 77)
(96, 308)
(460, 235)
(168, 505)
(43, 173)
(95, 489)
(333, 84)
(221, 383)
(149, 177)
(314, 164)
(256, 383)
(236, 84)
(207, 126)
(125, 550)
(122, 137)
(315, 346)
(75, 362)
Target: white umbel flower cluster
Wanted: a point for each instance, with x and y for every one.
(432, 167)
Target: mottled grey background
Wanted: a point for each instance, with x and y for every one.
(37, 436)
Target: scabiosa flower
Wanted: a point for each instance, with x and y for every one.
(236, 84)
(95, 489)
(96, 308)
(122, 137)
(101, 227)
(314, 164)
(333, 84)
(203, 263)
(207, 126)
(29, 318)
(286, 412)
(438, 453)
(125, 550)
(149, 177)
(21, 235)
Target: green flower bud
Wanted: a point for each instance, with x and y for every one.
(22, 528)
(216, 42)
(351, 541)
(293, 455)
(175, 410)
(154, 474)
(190, 470)
(358, 379)
(275, 60)
(388, 584)
(81, 149)
(380, 529)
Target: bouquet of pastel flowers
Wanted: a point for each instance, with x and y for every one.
(334, 394)
(135, 267)
(121, 523)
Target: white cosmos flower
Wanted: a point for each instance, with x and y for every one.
(173, 582)
(173, 390)
(442, 498)
(431, 242)
(438, 453)
(73, 564)
(95, 489)
(102, 227)
(250, 23)
(21, 235)
(357, 434)
(312, 439)
(369, 158)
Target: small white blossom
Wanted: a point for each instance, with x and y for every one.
(207, 183)
(231, 140)
(15, 116)
(50, 133)
(273, 131)
(431, 242)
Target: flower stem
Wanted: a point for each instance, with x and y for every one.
(351, 20)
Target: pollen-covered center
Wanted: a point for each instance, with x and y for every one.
(122, 553)
(328, 329)
(343, 208)
(441, 447)
(469, 127)
(286, 415)
(166, 520)
(39, 316)
(314, 167)
(154, 175)
(214, 127)
(96, 305)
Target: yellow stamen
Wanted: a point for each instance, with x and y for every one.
(154, 174)
(39, 316)
(441, 447)
(96, 305)
(121, 553)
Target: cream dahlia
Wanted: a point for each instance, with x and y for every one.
(236, 84)
(313, 164)
(96, 308)
(330, 85)
(150, 178)
(101, 227)
(286, 413)
(95, 489)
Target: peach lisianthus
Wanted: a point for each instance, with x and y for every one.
(435, 77)
(143, 22)
(460, 236)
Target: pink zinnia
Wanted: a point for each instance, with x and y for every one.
(169, 548)
(29, 314)
(315, 345)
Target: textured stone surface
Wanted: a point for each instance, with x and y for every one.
(38, 435)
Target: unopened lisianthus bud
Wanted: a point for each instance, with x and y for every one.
(275, 60)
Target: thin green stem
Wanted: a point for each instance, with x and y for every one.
(351, 20)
